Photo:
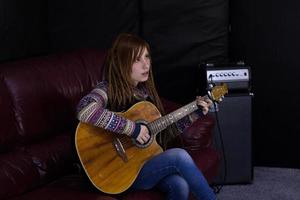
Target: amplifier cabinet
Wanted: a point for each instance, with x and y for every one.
(235, 122)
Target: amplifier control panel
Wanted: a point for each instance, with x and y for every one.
(236, 77)
(227, 75)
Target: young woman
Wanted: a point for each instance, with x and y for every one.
(127, 80)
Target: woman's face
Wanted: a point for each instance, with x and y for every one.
(140, 68)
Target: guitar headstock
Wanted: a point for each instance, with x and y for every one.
(218, 92)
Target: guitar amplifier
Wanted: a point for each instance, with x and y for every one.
(236, 76)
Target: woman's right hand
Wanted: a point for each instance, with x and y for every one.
(144, 135)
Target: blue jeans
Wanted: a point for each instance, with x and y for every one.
(174, 173)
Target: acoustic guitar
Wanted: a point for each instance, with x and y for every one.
(113, 161)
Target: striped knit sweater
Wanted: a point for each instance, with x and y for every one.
(92, 109)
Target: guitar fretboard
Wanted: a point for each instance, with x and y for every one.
(162, 123)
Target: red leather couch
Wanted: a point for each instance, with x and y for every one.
(38, 97)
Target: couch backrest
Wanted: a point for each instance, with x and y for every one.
(38, 99)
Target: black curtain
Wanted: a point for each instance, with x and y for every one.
(34, 27)
(266, 35)
(93, 23)
(183, 34)
(23, 29)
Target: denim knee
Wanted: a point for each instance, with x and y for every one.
(182, 155)
(175, 187)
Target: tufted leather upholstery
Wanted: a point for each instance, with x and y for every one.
(38, 97)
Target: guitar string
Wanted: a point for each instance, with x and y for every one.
(155, 127)
(161, 123)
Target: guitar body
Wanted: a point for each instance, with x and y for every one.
(104, 166)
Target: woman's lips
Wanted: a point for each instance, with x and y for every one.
(145, 73)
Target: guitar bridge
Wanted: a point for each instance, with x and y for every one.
(120, 149)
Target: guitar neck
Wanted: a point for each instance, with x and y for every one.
(162, 123)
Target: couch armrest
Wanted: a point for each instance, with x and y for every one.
(199, 134)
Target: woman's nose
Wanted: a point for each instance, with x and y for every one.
(146, 62)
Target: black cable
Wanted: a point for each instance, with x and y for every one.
(217, 188)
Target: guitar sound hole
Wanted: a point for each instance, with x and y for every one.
(145, 145)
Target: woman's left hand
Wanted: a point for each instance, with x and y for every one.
(204, 103)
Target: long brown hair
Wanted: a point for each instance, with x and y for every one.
(117, 72)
